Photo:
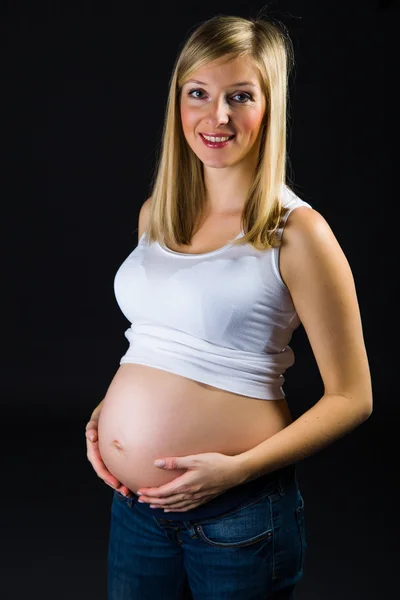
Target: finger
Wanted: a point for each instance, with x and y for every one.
(94, 457)
(161, 501)
(125, 491)
(167, 489)
(180, 510)
(172, 501)
(91, 435)
(91, 431)
(160, 492)
(100, 468)
(181, 507)
(187, 504)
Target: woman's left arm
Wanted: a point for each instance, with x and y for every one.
(322, 288)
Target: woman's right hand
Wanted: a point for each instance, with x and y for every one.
(94, 457)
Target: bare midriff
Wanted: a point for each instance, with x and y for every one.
(149, 413)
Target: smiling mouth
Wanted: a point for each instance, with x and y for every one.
(217, 145)
(230, 137)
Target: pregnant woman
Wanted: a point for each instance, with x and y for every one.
(229, 262)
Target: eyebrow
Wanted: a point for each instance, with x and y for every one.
(232, 84)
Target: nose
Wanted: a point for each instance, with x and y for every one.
(218, 113)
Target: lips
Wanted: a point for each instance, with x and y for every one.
(216, 145)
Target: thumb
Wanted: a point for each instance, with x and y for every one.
(180, 462)
(91, 434)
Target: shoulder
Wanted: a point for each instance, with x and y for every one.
(144, 215)
(303, 219)
(307, 240)
(145, 208)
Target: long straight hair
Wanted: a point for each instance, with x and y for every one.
(178, 193)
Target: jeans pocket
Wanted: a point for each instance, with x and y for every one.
(239, 528)
(300, 518)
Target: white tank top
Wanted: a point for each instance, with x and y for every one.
(223, 318)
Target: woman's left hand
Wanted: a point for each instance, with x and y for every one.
(208, 475)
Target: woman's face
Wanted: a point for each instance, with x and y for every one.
(223, 99)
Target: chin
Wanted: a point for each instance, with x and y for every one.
(216, 164)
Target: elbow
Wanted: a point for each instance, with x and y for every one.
(361, 415)
(366, 409)
(368, 402)
(362, 397)
(367, 413)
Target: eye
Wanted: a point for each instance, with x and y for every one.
(246, 96)
(194, 91)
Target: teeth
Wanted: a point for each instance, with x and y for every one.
(216, 139)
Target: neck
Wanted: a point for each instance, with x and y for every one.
(227, 188)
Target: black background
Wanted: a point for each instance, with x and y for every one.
(84, 99)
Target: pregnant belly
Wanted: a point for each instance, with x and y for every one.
(148, 413)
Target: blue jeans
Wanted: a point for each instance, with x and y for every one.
(254, 551)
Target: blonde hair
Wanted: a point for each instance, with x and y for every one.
(178, 191)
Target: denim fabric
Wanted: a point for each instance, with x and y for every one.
(254, 551)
